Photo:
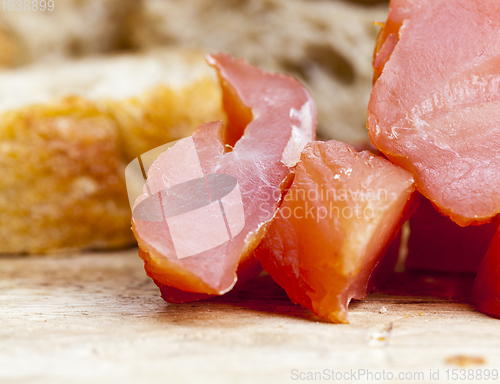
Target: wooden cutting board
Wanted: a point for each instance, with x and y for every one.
(96, 317)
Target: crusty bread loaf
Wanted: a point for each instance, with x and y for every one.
(62, 179)
(73, 28)
(67, 130)
(326, 44)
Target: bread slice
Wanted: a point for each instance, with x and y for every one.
(328, 45)
(67, 130)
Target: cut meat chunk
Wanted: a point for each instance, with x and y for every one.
(338, 217)
(195, 252)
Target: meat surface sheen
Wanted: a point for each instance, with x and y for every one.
(435, 105)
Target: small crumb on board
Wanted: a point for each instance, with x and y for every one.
(464, 361)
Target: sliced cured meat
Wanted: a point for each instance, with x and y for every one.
(486, 293)
(437, 243)
(435, 105)
(340, 214)
(219, 180)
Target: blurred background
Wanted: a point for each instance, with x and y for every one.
(326, 44)
(86, 86)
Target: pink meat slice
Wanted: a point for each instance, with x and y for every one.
(435, 109)
(271, 118)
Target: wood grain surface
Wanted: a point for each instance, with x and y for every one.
(97, 318)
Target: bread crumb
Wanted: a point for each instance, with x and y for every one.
(379, 336)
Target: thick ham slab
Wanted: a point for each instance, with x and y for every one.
(436, 243)
(486, 293)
